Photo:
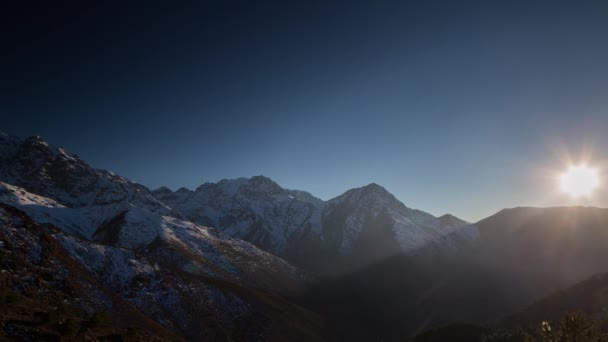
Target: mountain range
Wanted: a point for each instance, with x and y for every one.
(359, 227)
(246, 259)
(289, 223)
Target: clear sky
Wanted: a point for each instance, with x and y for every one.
(453, 106)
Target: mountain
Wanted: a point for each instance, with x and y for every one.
(368, 224)
(584, 304)
(50, 171)
(521, 256)
(45, 293)
(196, 270)
(450, 220)
(193, 281)
(126, 226)
(589, 296)
(171, 198)
(354, 229)
(255, 209)
(544, 248)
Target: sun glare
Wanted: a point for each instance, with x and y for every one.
(579, 181)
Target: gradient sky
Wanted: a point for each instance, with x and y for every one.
(459, 107)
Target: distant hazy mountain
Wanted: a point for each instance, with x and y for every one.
(544, 248)
(522, 255)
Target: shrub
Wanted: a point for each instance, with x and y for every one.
(574, 327)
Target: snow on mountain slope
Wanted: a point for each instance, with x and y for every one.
(43, 279)
(123, 225)
(177, 281)
(81, 221)
(58, 188)
(302, 228)
(256, 209)
(49, 171)
(370, 224)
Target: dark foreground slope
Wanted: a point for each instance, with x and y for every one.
(589, 297)
(45, 294)
(44, 287)
(579, 310)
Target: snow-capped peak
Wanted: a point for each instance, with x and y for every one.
(450, 220)
(43, 169)
(162, 190)
(371, 196)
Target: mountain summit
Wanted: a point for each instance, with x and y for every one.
(50, 171)
(255, 209)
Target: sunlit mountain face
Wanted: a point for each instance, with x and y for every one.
(304, 171)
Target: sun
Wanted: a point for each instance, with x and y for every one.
(579, 181)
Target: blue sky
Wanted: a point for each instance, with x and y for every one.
(459, 107)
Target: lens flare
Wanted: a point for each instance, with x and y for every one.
(579, 181)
